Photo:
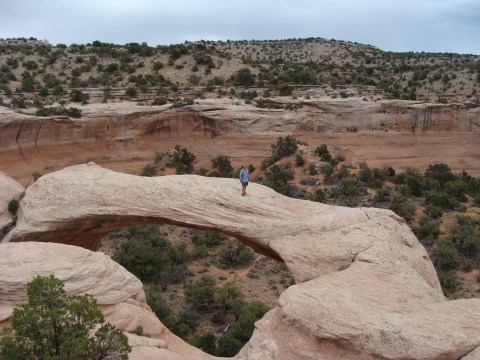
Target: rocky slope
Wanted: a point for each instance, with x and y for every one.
(365, 287)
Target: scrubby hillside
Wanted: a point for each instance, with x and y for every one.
(46, 73)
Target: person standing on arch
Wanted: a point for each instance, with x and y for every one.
(244, 179)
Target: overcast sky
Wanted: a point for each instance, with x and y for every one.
(392, 25)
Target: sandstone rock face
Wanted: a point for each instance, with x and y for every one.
(9, 189)
(119, 294)
(365, 287)
(125, 133)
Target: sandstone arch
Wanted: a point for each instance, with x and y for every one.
(365, 286)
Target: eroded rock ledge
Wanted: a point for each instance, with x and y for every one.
(365, 287)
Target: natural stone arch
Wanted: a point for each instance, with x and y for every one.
(365, 286)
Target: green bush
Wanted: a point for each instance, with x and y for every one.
(428, 229)
(446, 254)
(59, 111)
(318, 196)
(205, 342)
(383, 195)
(435, 212)
(207, 238)
(448, 282)
(78, 96)
(13, 206)
(149, 170)
(285, 146)
(402, 207)
(151, 257)
(54, 325)
(243, 77)
(182, 160)
(241, 329)
(181, 325)
(222, 166)
(234, 253)
(299, 160)
(131, 91)
(440, 172)
(440, 199)
(201, 294)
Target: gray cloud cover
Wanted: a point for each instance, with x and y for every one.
(406, 25)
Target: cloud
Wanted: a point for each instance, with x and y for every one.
(408, 25)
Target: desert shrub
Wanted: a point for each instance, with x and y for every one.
(279, 175)
(149, 170)
(182, 160)
(318, 196)
(365, 174)
(269, 161)
(151, 257)
(467, 266)
(465, 235)
(471, 245)
(440, 199)
(207, 238)
(205, 342)
(285, 146)
(159, 101)
(222, 166)
(440, 172)
(476, 200)
(241, 329)
(456, 189)
(402, 207)
(201, 294)
(59, 111)
(248, 95)
(446, 254)
(234, 253)
(78, 96)
(55, 325)
(348, 188)
(243, 77)
(299, 160)
(13, 206)
(383, 195)
(181, 325)
(178, 103)
(131, 91)
(428, 229)
(448, 282)
(435, 212)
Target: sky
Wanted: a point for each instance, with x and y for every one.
(391, 25)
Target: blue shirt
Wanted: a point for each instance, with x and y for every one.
(244, 175)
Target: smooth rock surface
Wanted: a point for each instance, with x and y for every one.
(365, 287)
(119, 294)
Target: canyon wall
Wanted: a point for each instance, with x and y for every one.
(128, 133)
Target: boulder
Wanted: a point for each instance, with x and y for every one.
(119, 294)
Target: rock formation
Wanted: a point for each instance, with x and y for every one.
(365, 287)
(9, 189)
(119, 294)
(125, 131)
